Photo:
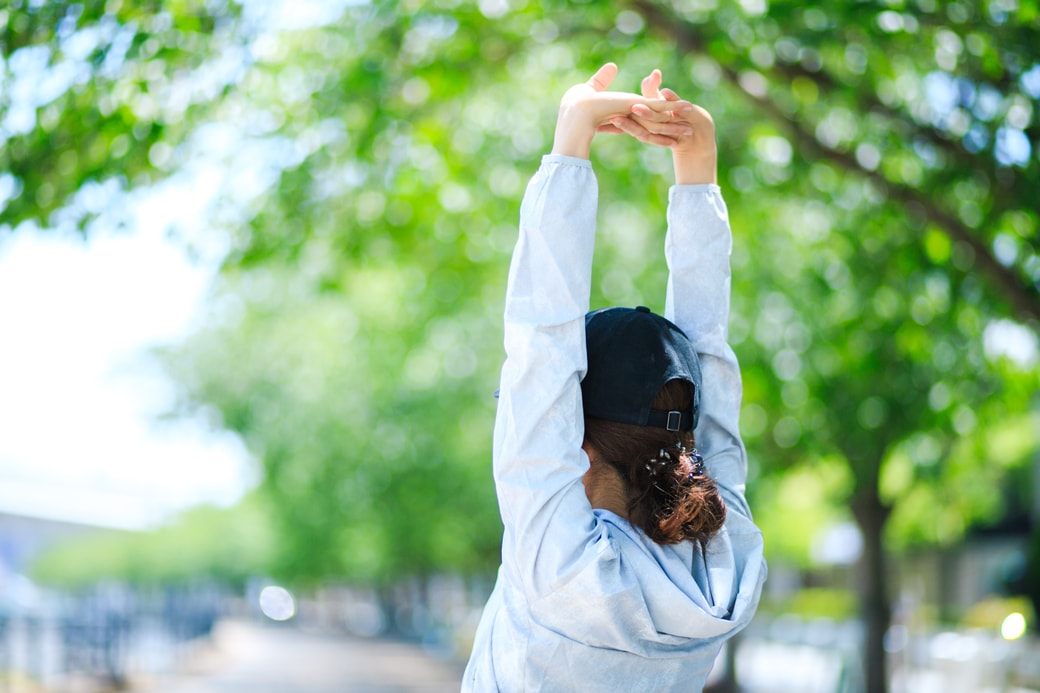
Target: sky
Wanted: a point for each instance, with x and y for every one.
(80, 395)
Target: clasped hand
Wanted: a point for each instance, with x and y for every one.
(656, 116)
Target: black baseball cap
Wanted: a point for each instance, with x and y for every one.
(632, 354)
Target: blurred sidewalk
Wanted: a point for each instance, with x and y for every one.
(257, 658)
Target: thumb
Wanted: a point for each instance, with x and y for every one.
(651, 85)
(603, 77)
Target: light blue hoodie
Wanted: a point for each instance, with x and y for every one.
(585, 601)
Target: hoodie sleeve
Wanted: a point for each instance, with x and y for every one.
(538, 460)
(697, 249)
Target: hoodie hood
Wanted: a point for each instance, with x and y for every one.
(654, 600)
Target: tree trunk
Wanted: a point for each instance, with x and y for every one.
(875, 611)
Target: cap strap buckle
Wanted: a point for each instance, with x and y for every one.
(674, 420)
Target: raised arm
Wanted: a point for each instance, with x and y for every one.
(697, 249)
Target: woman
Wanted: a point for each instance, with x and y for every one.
(627, 559)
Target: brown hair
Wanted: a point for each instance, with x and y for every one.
(671, 497)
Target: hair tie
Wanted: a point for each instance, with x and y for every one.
(663, 459)
(698, 465)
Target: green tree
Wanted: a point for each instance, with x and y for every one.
(96, 96)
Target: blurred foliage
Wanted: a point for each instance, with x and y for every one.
(816, 602)
(879, 159)
(96, 95)
(989, 614)
(795, 506)
(226, 545)
(360, 490)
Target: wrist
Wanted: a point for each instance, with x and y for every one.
(695, 168)
(573, 136)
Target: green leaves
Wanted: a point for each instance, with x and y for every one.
(102, 92)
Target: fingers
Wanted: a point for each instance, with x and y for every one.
(672, 129)
(663, 135)
(603, 77)
(661, 110)
(651, 89)
(651, 85)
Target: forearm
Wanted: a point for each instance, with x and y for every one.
(551, 271)
(697, 251)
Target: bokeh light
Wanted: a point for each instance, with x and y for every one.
(1013, 627)
(277, 603)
